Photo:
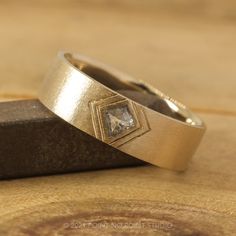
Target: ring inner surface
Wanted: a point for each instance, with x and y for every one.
(138, 92)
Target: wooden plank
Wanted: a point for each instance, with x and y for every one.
(191, 58)
(201, 201)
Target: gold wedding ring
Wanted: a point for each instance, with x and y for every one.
(128, 115)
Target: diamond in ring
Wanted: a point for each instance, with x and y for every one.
(117, 120)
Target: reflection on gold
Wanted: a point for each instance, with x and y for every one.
(70, 96)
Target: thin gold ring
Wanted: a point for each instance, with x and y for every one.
(129, 115)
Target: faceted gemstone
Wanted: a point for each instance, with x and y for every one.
(118, 120)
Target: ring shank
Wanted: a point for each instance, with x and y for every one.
(76, 89)
(139, 92)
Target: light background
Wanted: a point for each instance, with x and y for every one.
(185, 48)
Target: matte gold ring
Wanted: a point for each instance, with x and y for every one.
(129, 115)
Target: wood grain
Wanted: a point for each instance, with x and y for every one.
(201, 201)
(169, 51)
(191, 56)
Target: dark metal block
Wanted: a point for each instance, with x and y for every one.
(33, 141)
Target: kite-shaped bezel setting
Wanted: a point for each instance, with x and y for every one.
(117, 120)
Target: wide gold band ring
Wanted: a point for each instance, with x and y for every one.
(129, 115)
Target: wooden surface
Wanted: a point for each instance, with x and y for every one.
(191, 56)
